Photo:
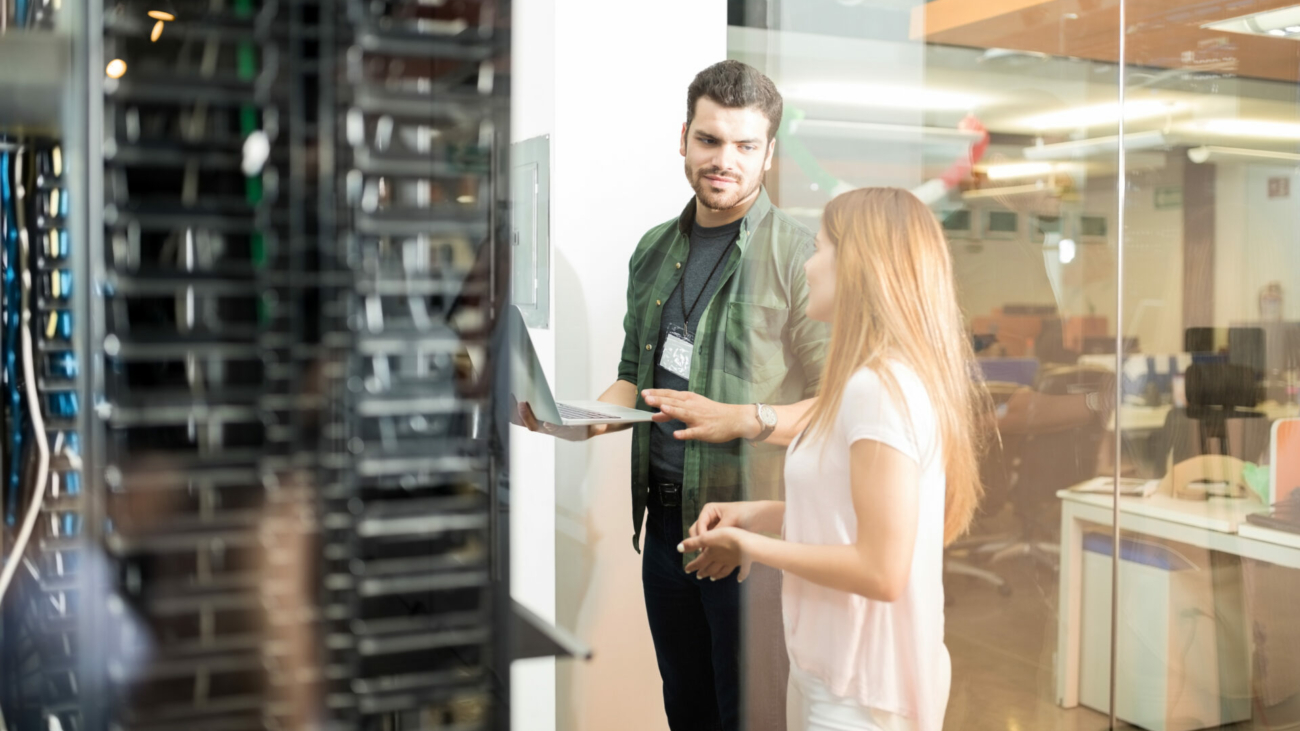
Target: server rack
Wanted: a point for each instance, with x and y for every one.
(420, 108)
(264, 242)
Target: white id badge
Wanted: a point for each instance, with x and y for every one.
(676, 358)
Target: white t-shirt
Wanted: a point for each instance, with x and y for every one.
(885, 655)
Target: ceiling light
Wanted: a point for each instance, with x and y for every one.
(883, 96)
(465, 199)
(1260, 128)
(1011, 190)
(1007, 171)
(1065, 251)
(1210, 152)
(1277, 22)
(116, 68)
(1101, 114)
(1077, 149)
(877, 131)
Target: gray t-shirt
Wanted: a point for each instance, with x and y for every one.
(703, 273)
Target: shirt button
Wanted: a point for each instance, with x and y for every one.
(679, 265)
(659, 302)
(648, 346)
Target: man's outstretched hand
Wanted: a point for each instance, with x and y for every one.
(706, 420)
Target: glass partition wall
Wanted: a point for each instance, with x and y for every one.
(1209, 308)
(1127, 260)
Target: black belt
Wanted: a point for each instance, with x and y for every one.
(666, 494)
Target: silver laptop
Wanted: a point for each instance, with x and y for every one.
(528, 385)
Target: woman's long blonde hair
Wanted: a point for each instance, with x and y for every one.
(895, 300)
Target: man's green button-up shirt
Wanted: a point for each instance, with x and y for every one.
(754, 344)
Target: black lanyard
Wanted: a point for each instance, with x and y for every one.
(681, 286)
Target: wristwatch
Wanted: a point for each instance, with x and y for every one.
(766, 418)
(1093, 401)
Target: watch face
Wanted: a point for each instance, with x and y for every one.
(768, 415)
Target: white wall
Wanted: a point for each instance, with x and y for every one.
(608, 82)
(1153, 259)
(1256, 239)
(532, 456)
(621, 74)
(993, 273)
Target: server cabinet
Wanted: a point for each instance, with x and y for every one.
(252, 270)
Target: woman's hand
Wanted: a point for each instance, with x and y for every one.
(721, 551)
(722, 515)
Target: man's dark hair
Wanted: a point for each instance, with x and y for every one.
(736, 85)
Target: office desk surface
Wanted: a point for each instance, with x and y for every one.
(1139, 418)
(1217, 514)
(1269, 535)
(1133, 418)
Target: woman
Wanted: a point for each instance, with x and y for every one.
(883, 476)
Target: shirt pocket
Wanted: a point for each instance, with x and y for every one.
(755, 336)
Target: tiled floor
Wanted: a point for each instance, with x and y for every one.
(1002, 656)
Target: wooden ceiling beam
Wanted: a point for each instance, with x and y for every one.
(1162, 33)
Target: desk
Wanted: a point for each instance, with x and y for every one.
(1139, 418)
(1135, 418)
(1142, 423)
(1218, 524)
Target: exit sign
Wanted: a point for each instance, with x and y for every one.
(1170, 197)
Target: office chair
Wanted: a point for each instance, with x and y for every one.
(1042, 464)
(995, 477)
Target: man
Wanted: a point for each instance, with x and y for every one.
(715, 338)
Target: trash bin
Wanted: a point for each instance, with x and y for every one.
(1183, 654)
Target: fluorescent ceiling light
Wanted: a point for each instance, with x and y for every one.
(1260, 128)
(1006, 171)
(1279, 22)
(1207, 153)
(1101, 114)
(1011, 170)
(1011, 190)
(883, 96)
(1077, 149)
(875, 130)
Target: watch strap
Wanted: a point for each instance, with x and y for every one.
(767, 429)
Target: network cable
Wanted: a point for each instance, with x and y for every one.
(10, 182)
(37, 501)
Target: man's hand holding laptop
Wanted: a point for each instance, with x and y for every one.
(621, 393)
(522, 415)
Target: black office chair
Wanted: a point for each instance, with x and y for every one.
(961, 558)
(1042, 464)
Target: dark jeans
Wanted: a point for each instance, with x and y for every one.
(696, 629)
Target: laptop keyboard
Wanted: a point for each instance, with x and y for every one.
(570, 412)
(1284, 515)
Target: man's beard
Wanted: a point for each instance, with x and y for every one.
(720, 201)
